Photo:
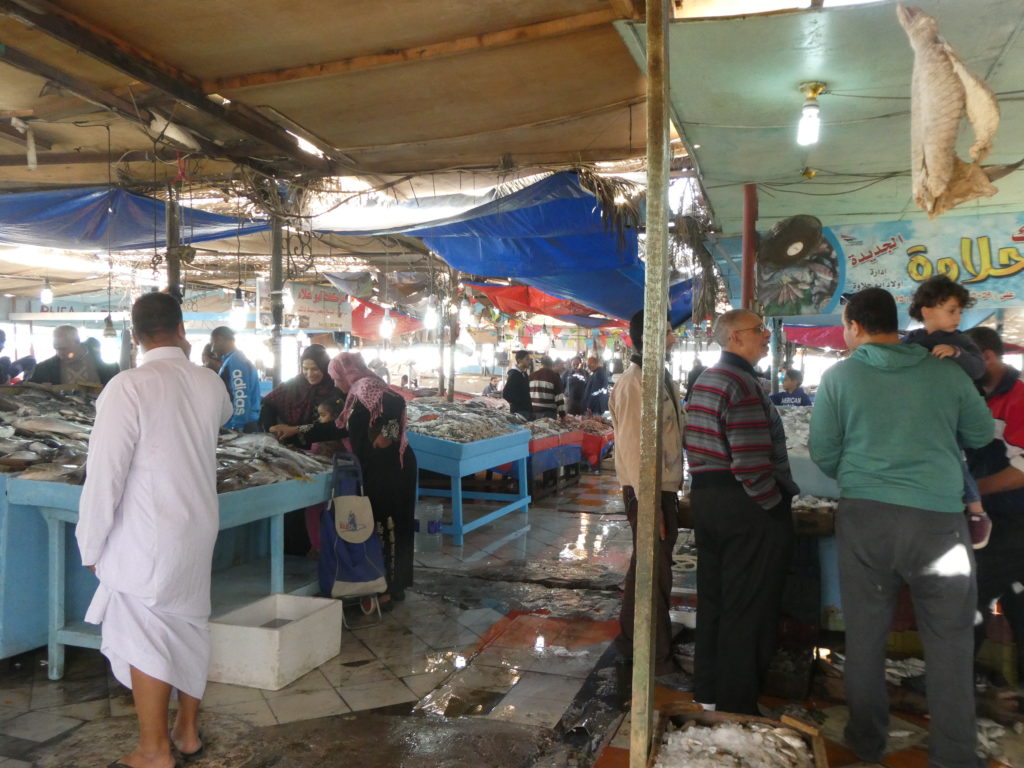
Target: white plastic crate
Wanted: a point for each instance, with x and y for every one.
(274, 641)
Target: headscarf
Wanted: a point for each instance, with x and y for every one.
(348, 368)
(370, 391)
(297, 399)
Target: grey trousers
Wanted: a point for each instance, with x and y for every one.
(881, 548)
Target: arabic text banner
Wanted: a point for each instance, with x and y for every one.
(981, 252)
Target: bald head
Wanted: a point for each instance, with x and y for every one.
(743, 333)
(66, 343)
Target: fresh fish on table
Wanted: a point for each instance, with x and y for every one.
(49, 425)
(941, 89)
(54, 473)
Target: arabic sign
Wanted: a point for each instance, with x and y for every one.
(981, 252)
(307, 307)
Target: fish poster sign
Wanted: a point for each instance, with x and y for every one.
(981, 252)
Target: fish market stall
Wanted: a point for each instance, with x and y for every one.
(255, 480)
(555, 447)
(457, 441)
(598, 438)
(814, 483)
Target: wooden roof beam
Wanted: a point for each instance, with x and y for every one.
(502, 37)
(107, 49)
(629, 9)
(10, 133)
(127, 110)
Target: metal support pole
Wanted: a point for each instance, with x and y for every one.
(173, 240)
(775, 349)
(749, 244)
(655, 320)
(276, 293)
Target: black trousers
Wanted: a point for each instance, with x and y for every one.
(743, 553)
(663, 661)
(1000, 565)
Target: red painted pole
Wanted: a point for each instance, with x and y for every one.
(749, 245)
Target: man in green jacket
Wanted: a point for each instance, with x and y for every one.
(885, 424)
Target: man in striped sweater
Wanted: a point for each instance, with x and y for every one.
(546, 391)
(740, 495)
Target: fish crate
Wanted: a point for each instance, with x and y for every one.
(571, 438)
(446, 457)
(274, 641)
(539, 444)
(683, 714)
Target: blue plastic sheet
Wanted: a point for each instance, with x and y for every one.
(100, 219)
(550, 235)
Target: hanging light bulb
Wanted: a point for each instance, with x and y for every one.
(109, 332)
(46, 295)
(239, 315)
(465, 314)
(387, 325)
(810, 115)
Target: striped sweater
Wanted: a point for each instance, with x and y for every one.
(546, 393)
(732, 425)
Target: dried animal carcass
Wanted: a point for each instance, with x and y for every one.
(941, 89)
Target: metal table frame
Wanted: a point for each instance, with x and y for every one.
(58, 504)
(457, 460)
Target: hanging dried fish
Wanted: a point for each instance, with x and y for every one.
(942, 88)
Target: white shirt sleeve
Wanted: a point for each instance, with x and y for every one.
(111, 449)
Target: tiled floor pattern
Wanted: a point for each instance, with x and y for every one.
(427, 652)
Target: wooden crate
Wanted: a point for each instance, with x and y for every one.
(688, 712)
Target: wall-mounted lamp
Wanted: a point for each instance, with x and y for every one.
(810, 117)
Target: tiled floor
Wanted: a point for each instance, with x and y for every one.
(473, 654)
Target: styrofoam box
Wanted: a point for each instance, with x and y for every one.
(274, 641)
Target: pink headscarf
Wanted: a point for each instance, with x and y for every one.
(348, 368)
(370, 391)
(351, 374)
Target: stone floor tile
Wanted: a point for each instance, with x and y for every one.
(375, 695)
(223, 694)
(255, 712)
(356, 673)
(38, 726)
(423, 684)
(307, 705)
(311, 681)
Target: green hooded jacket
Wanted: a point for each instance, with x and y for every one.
(886, 423)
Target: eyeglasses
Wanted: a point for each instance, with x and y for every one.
(759, 328)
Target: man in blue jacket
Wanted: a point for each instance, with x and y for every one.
(240, 377)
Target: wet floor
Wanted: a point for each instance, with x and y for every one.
(501, 656)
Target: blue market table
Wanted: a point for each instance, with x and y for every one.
(58, 505)
(457, 460)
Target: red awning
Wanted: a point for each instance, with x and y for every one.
(522, 298)
(366, 318)
(830, 336)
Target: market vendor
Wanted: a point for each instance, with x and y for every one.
(517, 386)
(73, 365)
(241, 379)
(546, 394)
(793, 391)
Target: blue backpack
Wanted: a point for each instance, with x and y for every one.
(351, 555)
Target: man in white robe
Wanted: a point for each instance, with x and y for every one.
(147, 524)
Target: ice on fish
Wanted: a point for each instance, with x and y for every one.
(734, 745)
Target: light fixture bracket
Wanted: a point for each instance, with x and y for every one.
(812, 89)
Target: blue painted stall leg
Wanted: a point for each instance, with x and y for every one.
(457, 511)
(276, 554)
(55, 649)
(524, 494)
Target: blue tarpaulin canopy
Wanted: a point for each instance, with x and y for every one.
(550, 235)
(100, 219)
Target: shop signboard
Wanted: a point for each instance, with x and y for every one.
(307, 307)
(981, 252)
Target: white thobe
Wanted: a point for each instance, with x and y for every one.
(148, 517)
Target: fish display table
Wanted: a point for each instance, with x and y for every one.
(58, 505)
(457, 460)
